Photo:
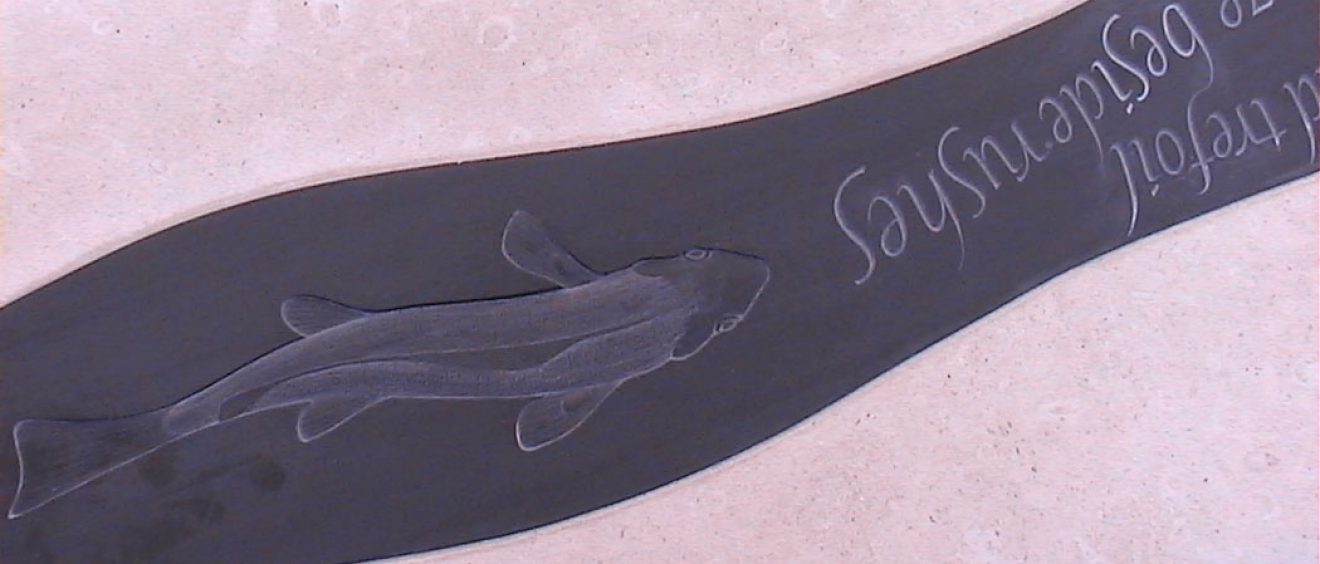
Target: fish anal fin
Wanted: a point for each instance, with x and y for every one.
(528, 246)
(326, 414)
(308, 315)
(548, 419)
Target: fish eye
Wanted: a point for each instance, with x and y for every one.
(696, 254)
(727, 324)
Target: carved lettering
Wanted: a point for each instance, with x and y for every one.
(1062, 127)
(1306, 85)
(1135, 65)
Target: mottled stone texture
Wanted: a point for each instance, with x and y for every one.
(1158, 404)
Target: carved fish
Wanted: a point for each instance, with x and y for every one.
(615, 327)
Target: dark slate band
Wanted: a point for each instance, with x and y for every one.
(890, 217)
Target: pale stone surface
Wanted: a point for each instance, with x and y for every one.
(123, 118)
(1156, 405)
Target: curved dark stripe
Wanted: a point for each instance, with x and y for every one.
(968, 184)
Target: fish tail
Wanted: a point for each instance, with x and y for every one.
(56, 457)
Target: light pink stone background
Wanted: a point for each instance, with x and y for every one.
(1156, 405)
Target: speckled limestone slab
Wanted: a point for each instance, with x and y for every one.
(261, 472)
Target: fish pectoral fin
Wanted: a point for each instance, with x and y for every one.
(308, 315)
(529, 247)
(328, 413)
(545, 420)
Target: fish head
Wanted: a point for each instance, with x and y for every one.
(718, 288)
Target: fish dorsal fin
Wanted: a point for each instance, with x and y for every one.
(328, 413)
(548, 419)
(308, 315)
(529, 247)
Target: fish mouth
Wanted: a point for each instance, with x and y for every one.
(738, 281)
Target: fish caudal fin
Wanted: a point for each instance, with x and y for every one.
(57, 457)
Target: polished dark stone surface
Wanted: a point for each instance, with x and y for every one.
(164, 317)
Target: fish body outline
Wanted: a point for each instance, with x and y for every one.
(616, 327)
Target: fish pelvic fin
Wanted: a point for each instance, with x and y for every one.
(326, 414)
(56, 457)
(548, 419)
(309, 315)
